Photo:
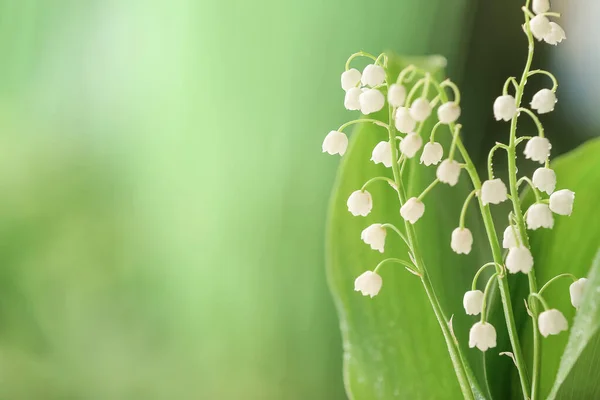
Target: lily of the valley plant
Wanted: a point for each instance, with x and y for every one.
(412, 98)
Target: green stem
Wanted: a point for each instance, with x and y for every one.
(484, 266)
(406, 264)
(395, 229)
(362, 120)
(377, 178)
(463, 212)
(485, 292)
(573, 277)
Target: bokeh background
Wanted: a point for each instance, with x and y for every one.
(163, 192)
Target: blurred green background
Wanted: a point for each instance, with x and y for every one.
(164, 193)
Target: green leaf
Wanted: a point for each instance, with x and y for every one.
(393, 345)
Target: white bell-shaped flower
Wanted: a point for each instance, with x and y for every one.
(396, 95)
(505, 108)
(412, 210)
(493, 191)
(371, 100)
(410, 144)
(448, 112)
(561, 202)
(556, 34)
(538, 149)
(473, 302)
(432, 153)
(373, 75)
(540, 26)
(543, 101)
(462, 241)
(552, 322)
(420, 109)
(483, 336)
(369, 283)
(374, 236)
(576, 291)
(350, 78)
(540, 6)
(509, 239)
(360, 203)
(352, 99)
(519, 259)
(335, 143)
(448, 172)
(382, 154)
(539, 216)
(404, 122)
(545, 180)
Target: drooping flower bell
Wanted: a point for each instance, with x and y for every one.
(432, 153)
(483, 336)
(509, 239)
(561, 202)
(448, 172)
(410, 144)
(396, 95)
(556, 34)
(545, 180)
(576, 291)
(540, 6)
(448, 112)
(352, 99)
(369, 283)
(539, 216)
(462, 241)
(420, 109)
(350, 79)
(493, 191)
(335, 143)
(473, 302)
(374, 236)
(382, 154)
(505, 108)
(371, 100)
(360, 203)
(412, 210)
(538, 149)
(519, 259)
(373, 75)
(543, 101)
(540, 26)
(552, 322)
(404, 122)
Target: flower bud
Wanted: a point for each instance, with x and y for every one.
(538, 149)
(360, 203)
(350, 78)
(382, 153)
(509, 240)
(493, 191)
(462, 240)
(371, 100)
(540, 26)
(396, 95)
(432, 153)
(373, 75)
(369, 283)
(448, 112)
(335, 143)
(473, 302)
(412, 210)
(420, 109)
(482, 335)
(404, 122)
(576, 291)
(552, 322)
(544, 179)
(448, 172)
(540, 6)
(374, 236)
(561, 202)
(505, 108)
(410, 144)
(519, 259)
(543, 101)
(352, 99)
(539, 216)
(556, 34)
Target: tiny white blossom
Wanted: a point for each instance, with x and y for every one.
(505, 108)
(543, 101)
(540, 26)
(412, 210)
(396, 95)
(473, 302)
(448, 112)
(410, 144)
(556, 34)
(352, 99)
(360, 203)
(509, 239)
(448, 172)
(493, 191)
(561, 202)
(350, 78)
(462, 241)
(432, 153)
(544, 179)
(539, 216)
(540, 6)
(404, 122)
(369, 283)
(335, 143)
(373, 75)
(519, 259)
(374, 236)
(576, 291)
(382, 153)
(371, 100)
(483, 336)
(538, 149)
(552, 322)
(420, 109)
